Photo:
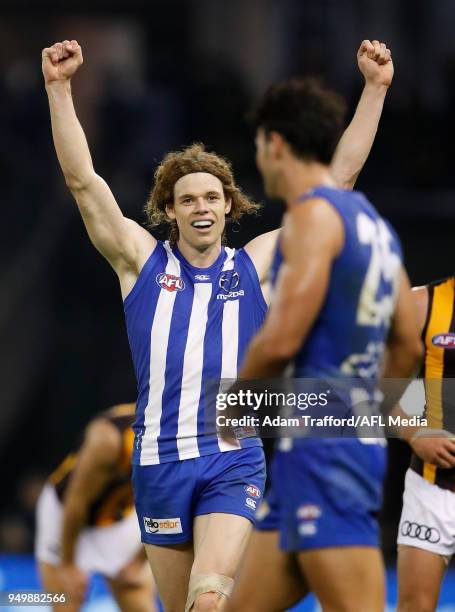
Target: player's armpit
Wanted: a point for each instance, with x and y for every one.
(312, 236)
(261, 250)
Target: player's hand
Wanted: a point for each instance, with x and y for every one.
(74, 581)
(61, 61)
(375, 62)
(433, 447)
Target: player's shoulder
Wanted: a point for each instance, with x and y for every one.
(316, 212)
(421, 300)
(448, 281)
(120, 415)
(102, 438)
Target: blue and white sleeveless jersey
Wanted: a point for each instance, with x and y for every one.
(186, 326)
(349, 335)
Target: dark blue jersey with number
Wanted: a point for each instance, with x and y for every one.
(349, 334)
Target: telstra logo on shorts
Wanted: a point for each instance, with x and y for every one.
(446, 341)
(166, 525)
(170, 282)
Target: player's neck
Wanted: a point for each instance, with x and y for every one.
(299, 177)
(202, 257)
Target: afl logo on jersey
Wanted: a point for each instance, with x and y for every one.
(170, 282)
(229, 281)
(252, 490)
(446, 341)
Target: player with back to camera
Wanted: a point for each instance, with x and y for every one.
(191, 306)
(85, 519)
(341, 297)
(426, 532)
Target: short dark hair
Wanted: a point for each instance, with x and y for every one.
(310, 117)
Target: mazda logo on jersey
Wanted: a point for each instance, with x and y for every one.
(446, 341)
(229, 281)
(170, 282)
(420, 532)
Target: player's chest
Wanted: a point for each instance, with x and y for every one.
(202, 290)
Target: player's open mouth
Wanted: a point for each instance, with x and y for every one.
(202, 225)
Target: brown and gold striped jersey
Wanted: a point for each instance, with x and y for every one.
(116, 500)
(438, 373)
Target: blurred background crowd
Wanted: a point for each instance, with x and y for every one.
(160, 74)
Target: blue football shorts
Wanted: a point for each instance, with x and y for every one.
(325, 493)
(168, 496)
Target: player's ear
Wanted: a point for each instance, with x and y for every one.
(228, 206)
(275, 145)
(170, 210)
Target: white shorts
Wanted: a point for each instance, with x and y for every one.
(106, 550)
(428, 516)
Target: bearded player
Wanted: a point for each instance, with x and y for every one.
(191, 307)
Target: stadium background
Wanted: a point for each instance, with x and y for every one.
(160, 74)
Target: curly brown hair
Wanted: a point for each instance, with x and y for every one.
(180, 163)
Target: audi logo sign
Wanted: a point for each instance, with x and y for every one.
(420, 532)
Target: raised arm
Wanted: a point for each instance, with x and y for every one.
(124, 243)
(375, 63)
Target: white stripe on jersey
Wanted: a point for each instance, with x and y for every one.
(159, 339)
(193, 363)
(230, 342)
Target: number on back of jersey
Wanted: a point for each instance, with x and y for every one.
(378, 294)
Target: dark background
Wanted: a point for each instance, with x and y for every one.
(159, 75)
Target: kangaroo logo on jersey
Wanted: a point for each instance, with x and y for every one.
(170, 282)
(446, 341)
(229, 281)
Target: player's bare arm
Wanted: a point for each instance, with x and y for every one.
(403, 343)
(404, 347)
(94, 469)
(300, 289)
(375, 63)
(432, 446)
(261, 250)
(124, 243)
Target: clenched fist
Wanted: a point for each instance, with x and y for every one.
(61, 61)
(375, 62)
